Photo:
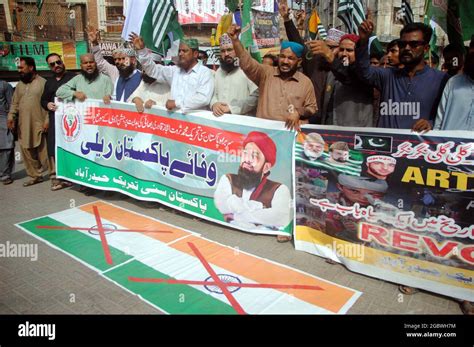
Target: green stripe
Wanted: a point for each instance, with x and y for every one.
(173, 298)
(76, 243)
(169, 297)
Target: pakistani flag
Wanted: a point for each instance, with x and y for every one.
(154, 20)
(454, 17)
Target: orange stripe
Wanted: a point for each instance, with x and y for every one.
(131, 220)
(331, 298)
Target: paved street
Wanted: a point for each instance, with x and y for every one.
(58, 284)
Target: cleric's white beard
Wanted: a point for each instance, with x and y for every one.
(312, 155)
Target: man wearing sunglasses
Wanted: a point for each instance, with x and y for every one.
(415, 89)
(60, 76)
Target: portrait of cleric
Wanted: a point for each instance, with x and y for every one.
(249, 198)
(351, 190)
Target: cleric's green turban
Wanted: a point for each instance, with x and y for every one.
(191, 43)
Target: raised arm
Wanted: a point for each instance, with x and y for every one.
(290, 28)
(254, 70)
(102, 65)
(375, 77)
(162, 74)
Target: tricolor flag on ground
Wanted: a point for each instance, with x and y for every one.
(315, 26)
(352, 14)
(178, 271)
(154, 20)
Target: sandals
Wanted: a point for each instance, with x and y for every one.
(467, 308)
(7, 181)
(408, 290)
(283, 238)
(33, 182)
(57, 185)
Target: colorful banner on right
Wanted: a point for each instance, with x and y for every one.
(389, 204)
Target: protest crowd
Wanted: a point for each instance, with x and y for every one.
(338, 80)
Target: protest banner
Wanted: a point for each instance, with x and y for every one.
(218, 169)
(390, 204)
(267, 29)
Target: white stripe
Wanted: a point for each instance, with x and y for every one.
(134, 18)
(164, 11)
(180, 265)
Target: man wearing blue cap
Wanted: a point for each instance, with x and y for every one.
(285, 94)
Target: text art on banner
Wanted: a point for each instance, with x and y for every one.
(389, 204)
(195, 163)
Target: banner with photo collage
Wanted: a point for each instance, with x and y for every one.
(390, 204)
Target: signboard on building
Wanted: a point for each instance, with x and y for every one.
(10, 53)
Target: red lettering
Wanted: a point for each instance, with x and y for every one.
(439, 252)
(467, 253)
(403, 240)
(369, 232)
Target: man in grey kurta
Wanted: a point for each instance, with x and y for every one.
(33, 120)
(7, 143)
(89, 84)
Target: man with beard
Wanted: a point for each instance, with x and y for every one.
(7, 140)
(285, 93)
(315, 67)
(350, 101)
(249, 199)
(381, 166)
(60, 77)
(456, 109)
(124, 74)
(338, 153)
(313, 146)
(191, 83)
(32, 120)
(149, 93)
(415, 84)
(89, 84)
(232, 89)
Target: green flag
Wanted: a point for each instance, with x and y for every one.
(247, 37)
(454, 17)
(39, 5)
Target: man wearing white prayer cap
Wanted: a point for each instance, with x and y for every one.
(380, 166)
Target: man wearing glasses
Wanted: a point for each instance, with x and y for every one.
(60, 76)
(416, 85)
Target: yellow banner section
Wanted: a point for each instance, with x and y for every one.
(391, 261)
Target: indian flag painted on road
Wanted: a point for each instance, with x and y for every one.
(178, 271)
